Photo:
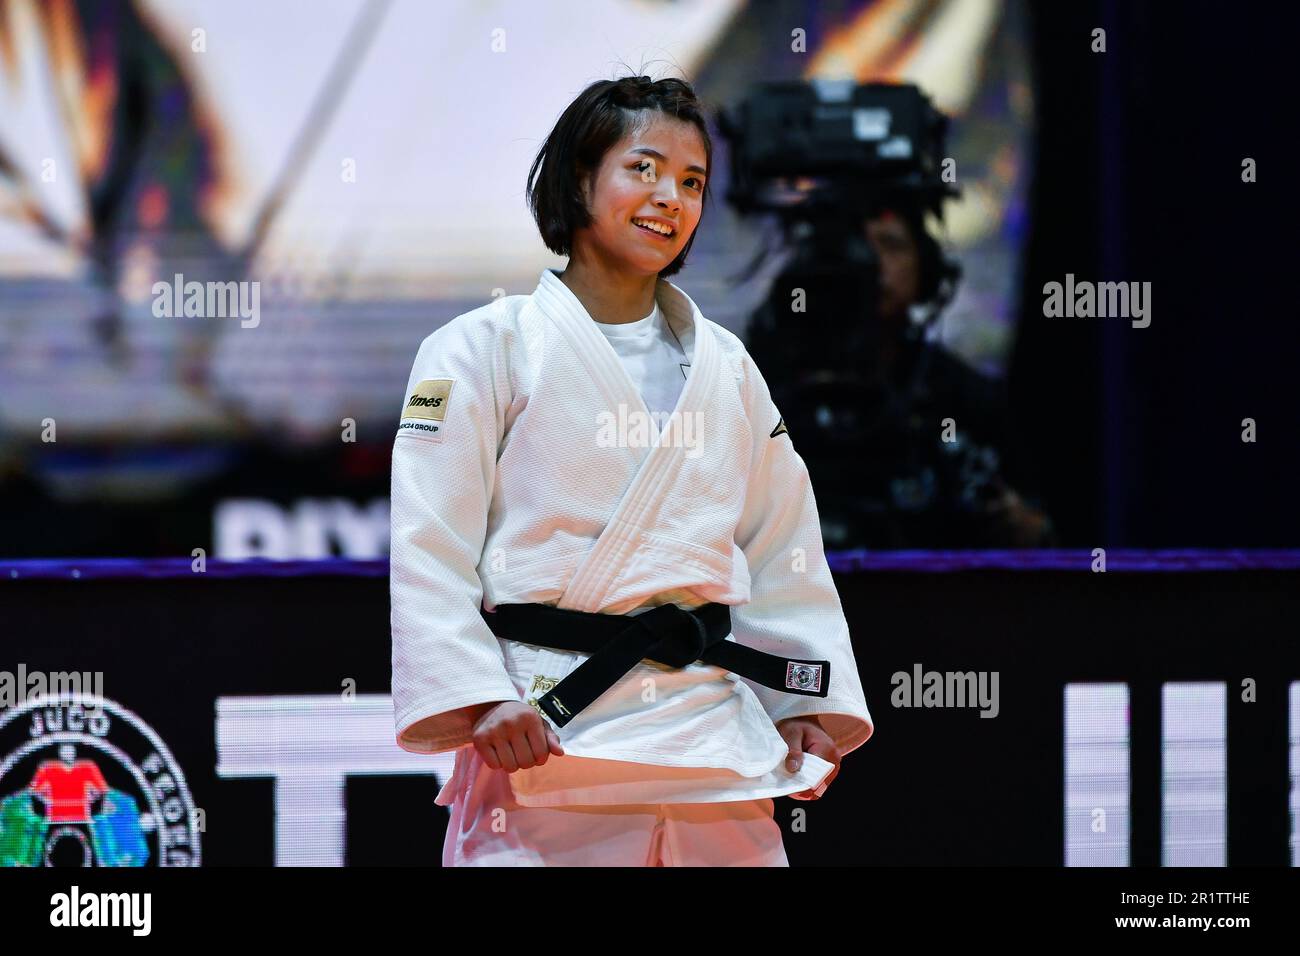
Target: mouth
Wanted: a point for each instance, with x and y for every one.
(655, 230)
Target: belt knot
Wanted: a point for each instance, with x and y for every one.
(681, 636)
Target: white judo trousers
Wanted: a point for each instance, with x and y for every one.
(489, 828)
(523, 473)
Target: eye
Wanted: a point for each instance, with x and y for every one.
(698, 183)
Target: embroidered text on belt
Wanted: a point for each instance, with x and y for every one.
(667, 634)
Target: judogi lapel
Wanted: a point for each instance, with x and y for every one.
(590, 586)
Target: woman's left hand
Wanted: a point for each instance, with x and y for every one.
(805, 735)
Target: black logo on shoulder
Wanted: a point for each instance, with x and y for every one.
(780, 429)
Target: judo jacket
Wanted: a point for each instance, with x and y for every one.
(527, 469)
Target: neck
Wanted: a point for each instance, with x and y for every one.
(610, 296)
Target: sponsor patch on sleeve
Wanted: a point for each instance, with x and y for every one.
(426, 407)
(429, 400)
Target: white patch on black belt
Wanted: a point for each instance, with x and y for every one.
(805, 677)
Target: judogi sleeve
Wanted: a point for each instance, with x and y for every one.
(444, 463)
(794, 609)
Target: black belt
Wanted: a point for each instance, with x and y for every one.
(667, 634)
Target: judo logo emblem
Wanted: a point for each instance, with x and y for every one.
(805, 677)
(780, 429)
(84, 782)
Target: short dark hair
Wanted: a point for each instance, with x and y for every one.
(601, 116)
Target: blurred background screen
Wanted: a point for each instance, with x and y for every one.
(365, 166)
(341, 184)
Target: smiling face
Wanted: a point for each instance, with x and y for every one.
(647, 198)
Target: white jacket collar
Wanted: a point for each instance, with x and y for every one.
(680, 311)
(557, 301)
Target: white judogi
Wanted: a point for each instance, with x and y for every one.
(525, 469)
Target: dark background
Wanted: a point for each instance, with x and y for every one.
(1137, 432)
(936, 786)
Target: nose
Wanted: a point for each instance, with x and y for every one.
(666, 196)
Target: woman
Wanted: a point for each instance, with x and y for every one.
(581, 457)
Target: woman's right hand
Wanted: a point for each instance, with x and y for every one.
(509, 735)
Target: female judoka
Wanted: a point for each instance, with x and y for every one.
(609, 592)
